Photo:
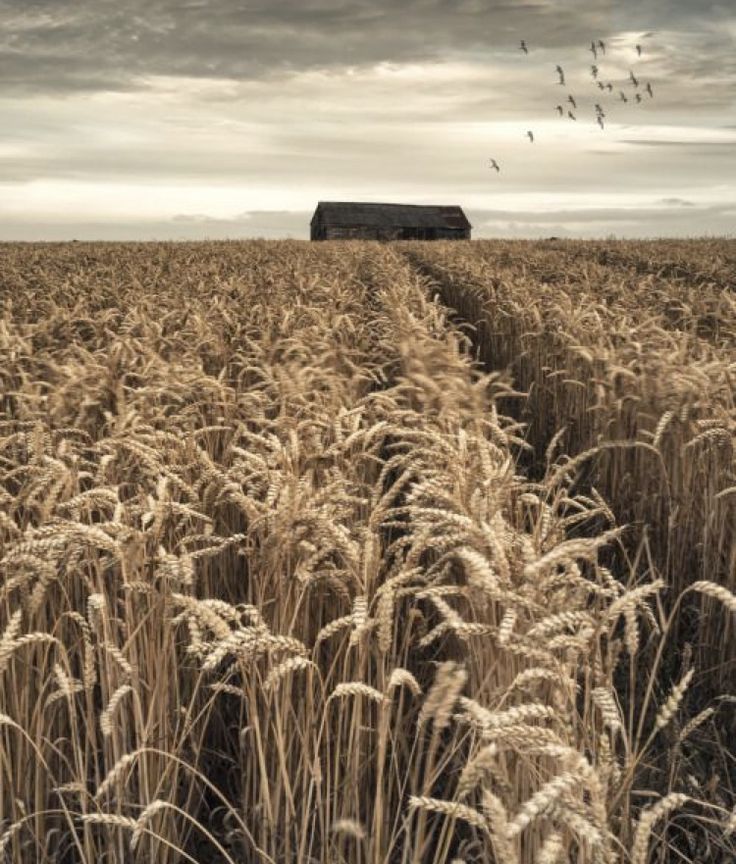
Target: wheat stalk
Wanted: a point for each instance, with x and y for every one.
(649, 817)
(677, 694)
(109, 710)
(452, 809)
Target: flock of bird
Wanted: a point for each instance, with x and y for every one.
(596, 48)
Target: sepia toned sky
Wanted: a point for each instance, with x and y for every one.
(156, 119)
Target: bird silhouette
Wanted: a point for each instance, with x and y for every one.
(571, 115)
(560, 109)
(602, 46)
(601, 85)
(599, 110)
(634, 80)
(572, 101)
(623, 96)
(638, 50)
(600, 121)
(594, 49)
(638, 97)
(523, 47)
(531, 136)
(594, 70)
(649, 90)
(609, 87)
(494, 164)
(561, 74)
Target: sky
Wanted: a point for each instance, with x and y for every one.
(156, 119)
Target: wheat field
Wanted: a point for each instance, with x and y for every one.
(379, 553)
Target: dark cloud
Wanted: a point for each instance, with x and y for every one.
(676, 202)
(72, 45)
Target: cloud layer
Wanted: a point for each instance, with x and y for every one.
(68, 45)
(133, 114)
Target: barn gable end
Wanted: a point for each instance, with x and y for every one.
(343, 220)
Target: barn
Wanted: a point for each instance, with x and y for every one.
(346, 220)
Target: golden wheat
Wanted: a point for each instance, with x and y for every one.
(287, 576)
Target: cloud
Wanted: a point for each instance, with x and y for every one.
(166, 118)
(728, 146)
(183, 226)
(601, 222)
(57, 46)
(191, 218)
(605, 222)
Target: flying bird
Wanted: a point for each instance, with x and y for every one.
(523, 47)
(638, 50)
(638, 97)
(610, 87)
(531, 136)
(634, 80)
(602, 46)
(561, 74)
(649, 89)
(601, 85)
(599, 110)
(561, 110)
(571, 115)
(623, 96)
(600, 121)
(572, 101)
(594, 49)
(494, 164)
(594, 70)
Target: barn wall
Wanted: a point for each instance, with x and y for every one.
(353, 232)
(387, 233)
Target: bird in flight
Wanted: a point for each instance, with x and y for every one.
(594, 70)
(523, 47)
(623, 96)
(638, 50)
(561, 110)
(594, 50)
(494, 164)
(599, 110)
(610, 87)
(561, 74)
(571, 115)
(601, 85)
(531, 136)
(572, 101)
(634, 80)
(649, 89)
(602, 46)
(638, 97)
(600, 121)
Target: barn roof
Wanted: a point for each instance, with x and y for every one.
(391, 215)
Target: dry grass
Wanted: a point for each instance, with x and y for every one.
(281, 582)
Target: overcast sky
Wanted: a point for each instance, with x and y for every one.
(143, 119)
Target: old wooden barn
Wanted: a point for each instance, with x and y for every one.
(346, 220)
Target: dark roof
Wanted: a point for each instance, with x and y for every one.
(390, 215)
